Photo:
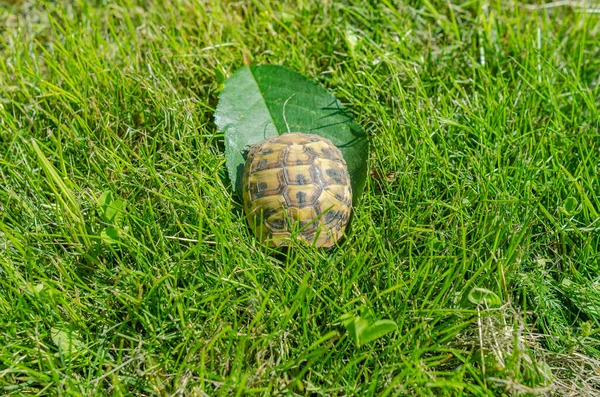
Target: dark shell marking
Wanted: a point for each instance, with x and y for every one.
(297, 184)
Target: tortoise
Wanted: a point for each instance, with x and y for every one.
(296, 183)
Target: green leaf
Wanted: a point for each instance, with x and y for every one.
(219, 76)
(570, 206)
(355, 326)
(352, 39)
(361, 331)
(251, 108)
(105, 199)
(376, 331)
(110, 235)
(113, 210)
(67, 342)
(38, 288)
(482, 296)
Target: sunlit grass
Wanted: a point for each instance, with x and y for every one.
(485, 155)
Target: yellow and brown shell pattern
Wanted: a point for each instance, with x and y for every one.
(297, 183)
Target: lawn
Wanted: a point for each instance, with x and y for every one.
(126, 265)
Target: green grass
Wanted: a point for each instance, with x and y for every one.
(485, 156)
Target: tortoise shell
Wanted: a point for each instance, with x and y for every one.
(298, 184)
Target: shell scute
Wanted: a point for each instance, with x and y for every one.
(300, 196)
(297, 156)
(342, 193)
(298, 175)
(334, 173)
(266, 161)
(265, 183)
